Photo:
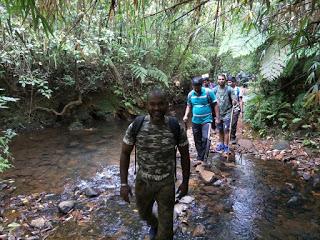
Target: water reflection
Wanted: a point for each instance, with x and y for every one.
(47, 160)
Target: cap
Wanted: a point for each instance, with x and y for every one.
(197, 81)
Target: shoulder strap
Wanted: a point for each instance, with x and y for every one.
(208, 96)
(215, 90)
(175, 128)
(229, 89)
(137, 124)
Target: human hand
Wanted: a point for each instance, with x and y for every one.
(217, 120)
(125, 191)
(182, 189)
(234, 102)
(185, 118)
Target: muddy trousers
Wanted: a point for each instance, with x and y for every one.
(234, 124)
(201, 135)
(162, 192)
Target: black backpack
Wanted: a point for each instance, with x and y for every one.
(137, 124)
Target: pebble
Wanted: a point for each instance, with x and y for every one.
(66, 206)
(38, 223)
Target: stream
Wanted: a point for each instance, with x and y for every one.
(256, 199)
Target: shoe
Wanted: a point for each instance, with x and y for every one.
(152, 233)
(226, 150)
(220, 147)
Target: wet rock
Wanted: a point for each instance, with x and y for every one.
(219, 182)
(73, 144)
(295, 201)
(281, 145)
(316, 182)
(66, 206)
(306, 176)
(38, 223)
(89, 192)
(33, 238)
(279, 157)
(3, 186)
(290, 185)
(199, 230)
(180, 208)
(246, 143)
(207, 176)
(186, 200)
(75, 126)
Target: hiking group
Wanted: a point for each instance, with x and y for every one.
(156, 137)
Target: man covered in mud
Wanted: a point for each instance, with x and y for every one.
(155, 143)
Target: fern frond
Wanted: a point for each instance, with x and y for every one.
(139, 72)
(240, 43)
(274, 61)
(158, 75)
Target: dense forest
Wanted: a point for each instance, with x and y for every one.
(91, 59)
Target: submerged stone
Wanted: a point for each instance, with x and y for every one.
(66, 206)
(281, 145)
(38, 223)
(89, 192)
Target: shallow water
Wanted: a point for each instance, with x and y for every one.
(253, 205)
(48, 159)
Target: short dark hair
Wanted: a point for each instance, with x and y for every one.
(232, 79)
(196, 81)
(157, 91)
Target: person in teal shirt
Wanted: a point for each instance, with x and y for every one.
(201, 101)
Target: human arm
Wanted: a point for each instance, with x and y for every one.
(125, 189)
(187, 112)
(215, 107)
(217, 112)
(185, 165)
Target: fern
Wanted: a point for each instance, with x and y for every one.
(273, 62)
(152, 72)
(139, 72)
(159, 75)
(240, 43)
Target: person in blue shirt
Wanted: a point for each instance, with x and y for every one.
(201, 101)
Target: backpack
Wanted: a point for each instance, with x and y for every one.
(174, 128)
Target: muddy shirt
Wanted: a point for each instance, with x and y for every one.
(155, 149)
(224, 97)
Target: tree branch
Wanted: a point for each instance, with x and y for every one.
(166, 9)
(65, 108)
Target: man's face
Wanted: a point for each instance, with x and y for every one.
(231, 84)
(197, 88)
(157, 107)
(206, 83)
(221, 80)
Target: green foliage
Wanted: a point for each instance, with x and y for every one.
(5, 155)
(4, 100)
(240, 43)
(263, 112)
(273, 62)
(153, 73)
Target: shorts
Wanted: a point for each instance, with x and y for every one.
(224, 125)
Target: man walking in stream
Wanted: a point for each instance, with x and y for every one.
(155, 143)
(201, 101)
(226, 98)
